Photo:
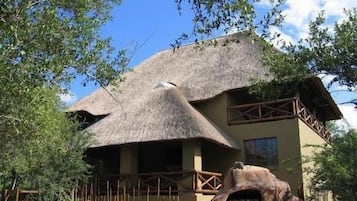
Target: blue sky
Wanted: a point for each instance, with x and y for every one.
(153, 26)
(149, 26)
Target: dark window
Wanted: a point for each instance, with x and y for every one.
(160, 157)
(261, 152)
(245, 195)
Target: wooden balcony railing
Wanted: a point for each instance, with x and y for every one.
(276, 110)
(207, 182)
(306, 116)
(120, 187)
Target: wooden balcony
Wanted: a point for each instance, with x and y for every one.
(142, 186)
(276, 110)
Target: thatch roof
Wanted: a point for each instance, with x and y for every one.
(199, 74)
(140, 113)
(164, 114)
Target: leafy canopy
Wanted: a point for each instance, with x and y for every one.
(55, 41)
(335, 167)
(211, 16)
(324, 51)
(44, 45)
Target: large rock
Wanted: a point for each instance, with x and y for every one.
(244, 182)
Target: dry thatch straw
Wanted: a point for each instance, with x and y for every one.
(140, 113)
(164, 114)
(199, 74)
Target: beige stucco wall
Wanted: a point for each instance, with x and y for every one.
(309, 137)
(286, 132)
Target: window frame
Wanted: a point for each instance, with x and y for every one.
(270, 160)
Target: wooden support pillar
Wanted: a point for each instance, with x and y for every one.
(191, 155)
(129, 159)
(192, 161)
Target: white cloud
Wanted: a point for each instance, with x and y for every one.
(335, 7)
(326, 78)
(263, 3)
(277, 42)
(299, 13)
(68, 98)
(350, 114)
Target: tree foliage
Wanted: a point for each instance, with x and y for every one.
(55, 41)
(210, 16)
(44, 45)
(40, 144)
(335, 167)
(333, 53)
(324, 51)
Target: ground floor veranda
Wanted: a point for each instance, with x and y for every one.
(181, 170)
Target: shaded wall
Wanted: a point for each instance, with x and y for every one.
(285, 131)
(104, 160)
(309, 137)
(160, 156)
(216, 158)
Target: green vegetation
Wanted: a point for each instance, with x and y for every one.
(323, 51)
(228, 15)
(44, 45)
(335, 167)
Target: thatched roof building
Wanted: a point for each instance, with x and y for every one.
(139, 112)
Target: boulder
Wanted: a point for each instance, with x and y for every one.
(247, 182)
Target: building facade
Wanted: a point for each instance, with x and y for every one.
(183, 117)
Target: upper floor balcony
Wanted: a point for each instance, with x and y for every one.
(276, 110)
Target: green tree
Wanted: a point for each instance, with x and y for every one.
(323, 51)
(40, 144)
(227, 15)
(335, 167)
(44, 45)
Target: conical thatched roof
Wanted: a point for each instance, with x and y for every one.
(164, 114)
(140, 113)
(199, 74)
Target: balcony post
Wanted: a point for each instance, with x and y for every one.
(192, 161)
(128, 159)
(295, 102)
(191, 155)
